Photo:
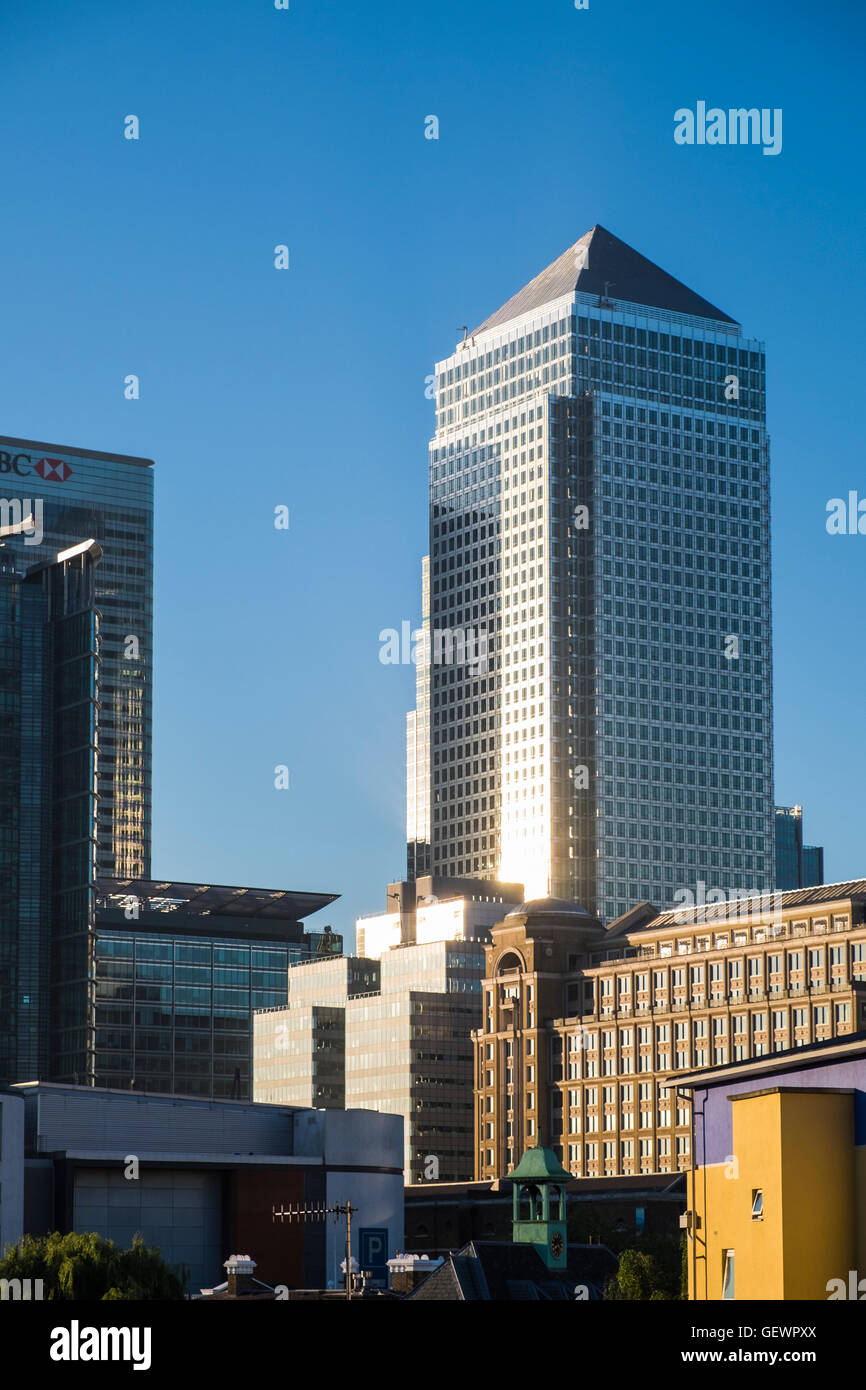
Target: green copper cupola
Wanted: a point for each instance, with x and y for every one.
(539, 1206)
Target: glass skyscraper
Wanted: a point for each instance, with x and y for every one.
(599, 516)
(75, 495)
(797, 865)
(49, 640)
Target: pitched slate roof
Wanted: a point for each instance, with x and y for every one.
(599, 263)
(505, 1272)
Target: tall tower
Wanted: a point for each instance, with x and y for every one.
(74, 495)
(49, 664)
(599, 532)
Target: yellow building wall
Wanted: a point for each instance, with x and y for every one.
(798, 1148)
(819, 1195)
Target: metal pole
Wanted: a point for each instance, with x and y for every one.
(348, 1249)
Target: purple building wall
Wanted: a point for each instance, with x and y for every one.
(714, 1113)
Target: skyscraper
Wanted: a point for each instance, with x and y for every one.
(797, 865)
(599, 515)
(49, 642)
(75, 495)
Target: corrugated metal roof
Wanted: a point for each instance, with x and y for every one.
(854, 888)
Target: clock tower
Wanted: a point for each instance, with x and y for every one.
(539, 1182)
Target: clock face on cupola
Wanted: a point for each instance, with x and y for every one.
(539, 1205)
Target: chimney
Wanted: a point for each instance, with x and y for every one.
(239, 1272)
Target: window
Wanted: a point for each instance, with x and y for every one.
(757, 1204)
(728, 1274)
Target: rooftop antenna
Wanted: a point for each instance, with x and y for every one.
(317, 1211)
(603, 301)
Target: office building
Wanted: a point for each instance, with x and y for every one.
(49, 662)
(777, 1192)
(587, 1028)
(11, 1169)
(392, 1034)
(597, 704)
(179, 969)
(418, 747)
(300, 1045)
(797, 865)
(435, 909)
(207, 1176)
(72, 495)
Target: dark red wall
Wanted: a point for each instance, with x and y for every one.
(277, 1247)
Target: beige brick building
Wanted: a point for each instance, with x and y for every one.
(585, 1027)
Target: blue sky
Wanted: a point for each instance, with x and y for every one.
(306, 387)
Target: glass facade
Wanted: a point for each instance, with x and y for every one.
(49, 640)
(797, 865)
(177, 983)
(109, 498)
(599, 512)
(175, 1014)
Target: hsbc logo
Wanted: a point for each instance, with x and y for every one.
(51, 470)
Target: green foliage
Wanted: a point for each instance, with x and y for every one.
(81, 1265)
(588, 1223)
(638, 1278)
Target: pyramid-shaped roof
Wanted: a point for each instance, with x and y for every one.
(602, 264)
(538, 1164)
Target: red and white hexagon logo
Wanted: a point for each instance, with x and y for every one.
(53, 470)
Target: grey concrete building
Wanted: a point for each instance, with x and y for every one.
(200, 1178)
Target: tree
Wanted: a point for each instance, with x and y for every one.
(588, 1223)
(638, 1278)
(83, 1266)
